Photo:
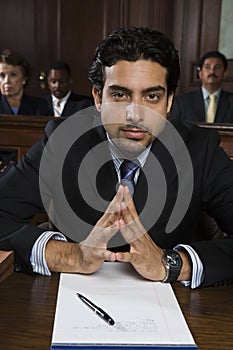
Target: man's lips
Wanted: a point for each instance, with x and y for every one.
(134, 133)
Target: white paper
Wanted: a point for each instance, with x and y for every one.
(144, 312)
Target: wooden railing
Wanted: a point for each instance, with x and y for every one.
(226, 133)
(21, 132)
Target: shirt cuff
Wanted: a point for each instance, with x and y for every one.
(37, 257)
(197, 266)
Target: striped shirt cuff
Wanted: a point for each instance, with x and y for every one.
(197, 266)
(37, 257)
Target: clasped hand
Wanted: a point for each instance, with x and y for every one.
(121, 215)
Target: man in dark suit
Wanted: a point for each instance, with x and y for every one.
(193, 106)
(83, 173)
(62, 101)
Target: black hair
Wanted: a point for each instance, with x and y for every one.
(210, 54)
(133, 44)
(61, 65)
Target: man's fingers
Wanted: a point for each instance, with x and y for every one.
(107, 255)
(131, 229)
(113, 212)
(99, 237)
(127, 198)
(124, 257)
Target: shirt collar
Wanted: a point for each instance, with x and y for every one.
(206, 93)
(118, 157)
(63, 99)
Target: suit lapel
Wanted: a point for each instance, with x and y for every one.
(157, 176)
(199, 106)
(100, 169)
(222, 109)
(4, 106)
(70, 104)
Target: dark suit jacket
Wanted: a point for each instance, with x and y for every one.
(155, 195)
(30, 105)
(190, 107)
(75, 103)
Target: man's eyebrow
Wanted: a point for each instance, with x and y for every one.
(154, 88)
(119, 88)
(126, 90)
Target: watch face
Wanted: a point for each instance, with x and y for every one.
(173, 259)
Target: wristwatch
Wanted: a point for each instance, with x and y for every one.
(173, 263)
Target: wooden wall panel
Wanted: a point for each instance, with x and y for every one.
(81, 31)
(44, 31)
(30, 27)
(196, 31)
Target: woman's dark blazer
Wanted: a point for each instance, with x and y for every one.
(30, 105)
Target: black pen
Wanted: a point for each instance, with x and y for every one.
(97, 310)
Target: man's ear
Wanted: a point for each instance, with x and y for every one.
(225, 74)
(97, 98)
(199, 74)
(169, 102)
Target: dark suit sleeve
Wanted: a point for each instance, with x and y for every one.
(20, 200)
(217, 259)
(217, 192)
(35, 106)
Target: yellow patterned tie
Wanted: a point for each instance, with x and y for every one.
(211, 109)
(57, 108)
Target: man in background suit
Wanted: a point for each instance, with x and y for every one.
(193, 106)
(62, 101)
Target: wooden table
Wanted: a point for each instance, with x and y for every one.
(27, 307)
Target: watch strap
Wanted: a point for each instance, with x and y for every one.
(173, 264)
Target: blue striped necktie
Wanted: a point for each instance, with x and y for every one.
(128, 169)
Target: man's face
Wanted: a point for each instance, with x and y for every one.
(59, 83)
(212, 74)
(134, 103)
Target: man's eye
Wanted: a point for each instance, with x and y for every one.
(119, 95)
(2, 76)
(153, 97)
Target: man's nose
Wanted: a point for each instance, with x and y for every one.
(134, 113)
(6, 79)
(57, 84)
(212, 69)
